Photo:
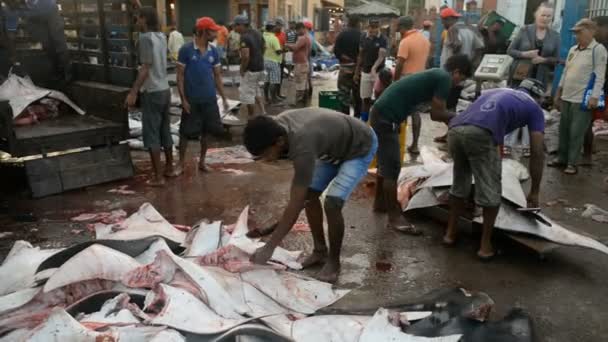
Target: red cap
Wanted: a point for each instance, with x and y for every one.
(206, 23)
(308, 24)
(449, 13)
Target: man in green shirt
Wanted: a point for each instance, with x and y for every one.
(392, 108)
(272, 62)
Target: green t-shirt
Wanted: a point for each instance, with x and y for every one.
(272, 46)
(401, 98)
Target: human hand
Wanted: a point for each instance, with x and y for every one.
(538, 60)
(262, 254)
(531, 54)
(593, 102)
(532, 200)
(226, 106)
(131, 99)
(186, 106)
(557, 104)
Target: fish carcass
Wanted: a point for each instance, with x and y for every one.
(147, 221)
(379, 328)
(168, 268)
(439, 177)
(114, 311)
(94, 262)
(179, 309)
(38, 308)
(295, 292)
(21, 263)
(239, 239)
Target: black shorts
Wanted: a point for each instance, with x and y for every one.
(389, 151)
(203, 119)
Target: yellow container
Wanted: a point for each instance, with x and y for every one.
(402, 140)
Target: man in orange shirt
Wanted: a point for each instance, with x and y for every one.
(414, 50)
(222, 39)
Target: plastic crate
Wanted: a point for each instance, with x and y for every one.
(329, 99)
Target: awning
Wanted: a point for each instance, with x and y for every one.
(374, 9)
(334, 3)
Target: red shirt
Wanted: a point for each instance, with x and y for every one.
(282, 38)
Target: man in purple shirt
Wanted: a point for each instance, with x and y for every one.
(474, 139)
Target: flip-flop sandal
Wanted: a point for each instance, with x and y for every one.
(486, 258)
(447, 243)
(408, 229)
(571, 170)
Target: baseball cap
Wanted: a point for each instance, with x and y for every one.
(270, 22)
(241, 20)
(307, 24)
(206, 23)
(405, 21)
(449, 12)
(584, 24)
(427, 23)
(280, 21)
(374, 22)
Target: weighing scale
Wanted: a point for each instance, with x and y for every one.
(493, 68)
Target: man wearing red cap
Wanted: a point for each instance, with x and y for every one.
(460, 39)
(198, 78)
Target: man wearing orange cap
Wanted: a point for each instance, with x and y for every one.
(198, 78)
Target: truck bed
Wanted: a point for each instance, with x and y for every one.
(67, 131)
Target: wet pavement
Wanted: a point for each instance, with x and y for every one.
(565, 292)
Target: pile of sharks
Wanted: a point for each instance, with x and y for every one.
(142, 279)
(427, 185)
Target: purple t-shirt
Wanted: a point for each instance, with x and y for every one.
(501, 111)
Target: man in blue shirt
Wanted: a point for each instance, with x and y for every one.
(474, 140)
(198, 77)
(44, 24)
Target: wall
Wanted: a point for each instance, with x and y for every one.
(190, 10)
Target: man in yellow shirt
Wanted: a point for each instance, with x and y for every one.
(413, 54)
(272, 62)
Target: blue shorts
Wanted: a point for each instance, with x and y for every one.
(341, 180)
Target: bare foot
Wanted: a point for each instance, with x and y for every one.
(157, 183)
(329, 273)
(401, 224)
(172, 172)
(413, 149)
(449, 240)
(316, 258)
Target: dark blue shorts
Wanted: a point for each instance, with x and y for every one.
(203, 119)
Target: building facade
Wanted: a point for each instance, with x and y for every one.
(185, 12)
